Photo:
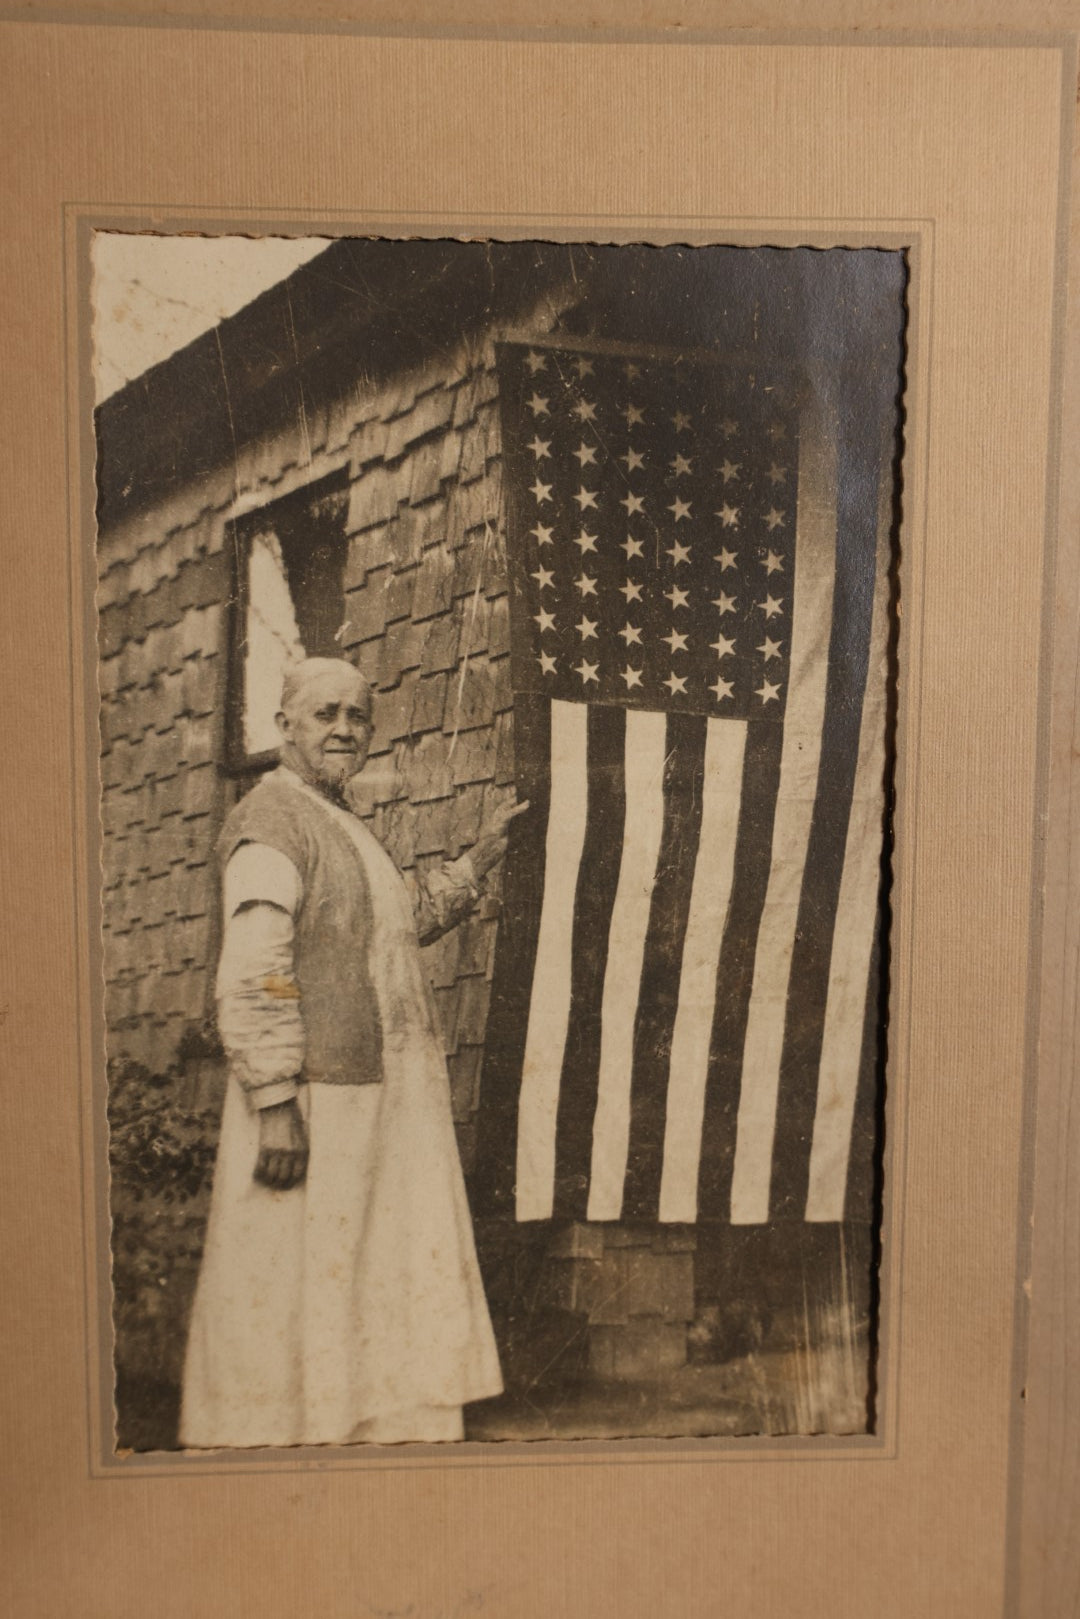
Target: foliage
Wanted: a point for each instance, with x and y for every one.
(156, 1148)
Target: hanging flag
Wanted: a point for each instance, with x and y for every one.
(686, 979)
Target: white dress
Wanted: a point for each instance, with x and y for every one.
(350, 1307)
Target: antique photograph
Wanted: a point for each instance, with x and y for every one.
(497, 663)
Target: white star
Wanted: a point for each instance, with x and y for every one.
(675, 683)
(631, 676)
(585, 454)
(681, 508)
(777, 473)
(680, 465)
(632, 547)
(544, 578)
(587, 671)
(547, 663)
(680, 421)
(771, 606)
(633, 503)
(771, 649)
(676, 641)
(587, 542)
(538, 406)
(586, 628)
(768, 692)
(585, 497)
(774, 518)
(631, 591)
(534, 361)
(773, 563)
(634, 459)
(583, 367)
(631, 633)
(729, 426)
(723, 647)
(632, 372)
(677, 597)
(726, 558)
(540, 447)
(634, 413)
(777, 431)
(729, 515)
(729, 470)
(679, 553)
(540, 491)
(726, 604)
(586, 585)
(722, 688)
(545, 620)
(585, 410)
(542, 535)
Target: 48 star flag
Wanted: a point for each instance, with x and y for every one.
(686, 981)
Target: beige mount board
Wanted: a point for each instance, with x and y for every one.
(954, 147)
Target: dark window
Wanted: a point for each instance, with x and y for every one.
(288, 604)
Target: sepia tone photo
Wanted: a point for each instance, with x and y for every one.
(496, 669)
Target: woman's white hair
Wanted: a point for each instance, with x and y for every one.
(299, 674)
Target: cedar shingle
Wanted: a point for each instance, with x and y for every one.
(366, 608)
(425, 471)
(469, 506)
(200, 790)
(505, 771)
(441, 960)
(480, 443)
(472, 1011)
(464, 1068)
(472, 699)
(446, 1001)
(430, 412)
(400, 590)
(429, 704)
(371, 549)
(201, 629)
(434, 586)
(430, 824)
(374, 497)
(499, 626)
(464, 820)
(473, 757)
(401, 649)
(196, 735)
(368, 443)
(441, 643)
(476, 948)
(428, 770)
(502, 691)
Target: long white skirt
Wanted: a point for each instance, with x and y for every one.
(351, 1307)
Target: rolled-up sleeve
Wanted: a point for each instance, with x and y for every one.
(443, 897)
(258, 997)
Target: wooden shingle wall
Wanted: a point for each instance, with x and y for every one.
(425, 615)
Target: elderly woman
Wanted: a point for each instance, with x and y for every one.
(339, 1298)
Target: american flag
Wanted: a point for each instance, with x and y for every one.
(682, 1021)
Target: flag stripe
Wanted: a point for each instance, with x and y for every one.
(549, 1006)
(821, 937)
(734, 979)
(597, 882)
(646, 735)
(858, 907)
(659, 993)
(714, 868)
(810, 635)
(515, 954)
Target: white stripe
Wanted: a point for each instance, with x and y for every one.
(549, 1006)
(714, 869)
(815, 568)
(646, 736)
(856, 914)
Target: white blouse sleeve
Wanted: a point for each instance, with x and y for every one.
(258, 998)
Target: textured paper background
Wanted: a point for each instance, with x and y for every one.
(953, 148)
